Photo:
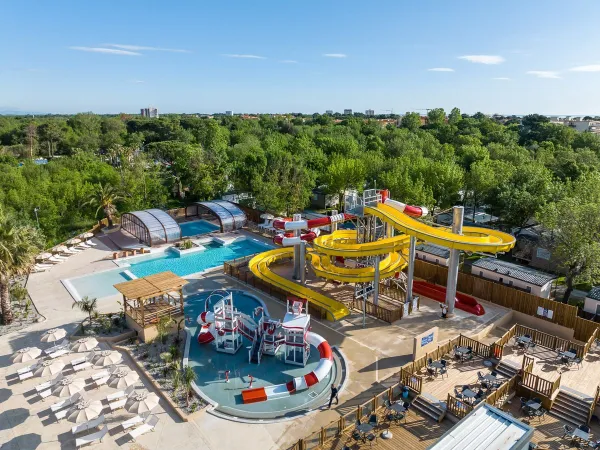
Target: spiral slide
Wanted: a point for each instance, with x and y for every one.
(302, 383)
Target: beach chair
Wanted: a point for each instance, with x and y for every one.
(95, 423)
(59, 352)
(48, 384)
(135, 421)
(45, 394)
(91, 438)
(66, 402)
(89, 242)
(83, 366)
(83, 359)
(26, 369)
(144, 428)
(82, 245)
(25, 376)
(55, 348)
(120, 394)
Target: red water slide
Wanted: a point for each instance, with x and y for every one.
(435, 292)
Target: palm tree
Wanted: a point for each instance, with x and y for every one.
(189, 377)
(104, 198)
(162, 328)
(19, 245)
(176, 380)
(88, 306)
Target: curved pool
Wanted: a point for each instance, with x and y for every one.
(210, 367)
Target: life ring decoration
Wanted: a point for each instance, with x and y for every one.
(221, 332)
(258, 310)
(271, 329)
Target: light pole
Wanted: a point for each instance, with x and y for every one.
(35, 210)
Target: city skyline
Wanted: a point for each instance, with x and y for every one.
(490, 58)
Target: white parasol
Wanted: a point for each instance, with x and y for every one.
(68, 386)
(53, 335)
(84, 410)
(267, 216)
(26, 354)
(44, 256)
(86, 235)
(84, 344)
(141, 402)
(107, 358)
(49, 367)
(123, 378)
(73, 241)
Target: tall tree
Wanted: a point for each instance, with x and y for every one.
(574, 231)
(105, 198)
(454, 117)
(19, 245)
(345, 173)
(436, 116)
(411, 120)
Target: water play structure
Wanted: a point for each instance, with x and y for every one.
(380, 247)
(290, 338)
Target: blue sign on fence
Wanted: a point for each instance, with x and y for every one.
(426, 340)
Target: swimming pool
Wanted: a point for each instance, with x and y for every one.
(100, 284)
(210, 367)
(196, 228)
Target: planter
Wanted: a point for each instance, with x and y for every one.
(197, 248)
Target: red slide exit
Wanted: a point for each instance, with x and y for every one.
(435, 292)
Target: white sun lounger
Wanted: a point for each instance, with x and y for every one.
(83, 359)
(71, 251)
(89, 242)
(60, 352)
(143, 429)
(135, 421)
(95, 423)
(82, 366)
(25, 376)
(66, 402)
(117, 404)
(61, 414)
(26, 369)
(37, 268)
(55, 348)
(82, 245)
(120, 394)
(102, 374)
(44, 386)
(45, 394)
(101, 381)
(91, 438)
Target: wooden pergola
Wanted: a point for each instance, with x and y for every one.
(146, 300)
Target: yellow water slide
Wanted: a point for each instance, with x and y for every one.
(259, 265)
(473, 239)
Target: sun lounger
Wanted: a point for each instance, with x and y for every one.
(82, 366)
(45, 394)
(120, 394)
(95, 423)
(26, 369)
(135, 421)
(82, 245)
(60, 352)
(83, 359)
(101, 381)
(55, 348)
(71, 251)
(99, 375)
(25, 376)
(48, 384)
(66, 402)
(61, 414)
(37, 268)
(143, 429)
(117, 404)
(58, 257)
(91, 438)
(53, 260)
(89, 242)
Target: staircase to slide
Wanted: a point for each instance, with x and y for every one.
(256, 346)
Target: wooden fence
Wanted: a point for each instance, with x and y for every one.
(483, 350)
(411, 381)
(457, 407)
(539, 385)
(385, 314)
(550, 341)
(501, 394)
(509, 297)
(527, 365)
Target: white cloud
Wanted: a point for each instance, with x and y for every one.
(335, 55)
(590, 68)
(244, 56)
(137, 81)
(152, 49)
(288, 61)
(501, 78)
(483, 59)
(112, 51)
(543, 73)
(441, 69)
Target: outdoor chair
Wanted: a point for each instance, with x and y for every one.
(540, 413)
(578, 361)
(373, 421)
(358, 422)
(568, 431)
(537, 400)
(457, 394)
(480, 375)
(371, 437)
(430, 372)
(429, 361)
(406, 405)
(443, 371)
(584, 428)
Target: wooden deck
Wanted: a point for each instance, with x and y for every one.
(548, 431)
(417, 433)
(548, 366)
(459, 374)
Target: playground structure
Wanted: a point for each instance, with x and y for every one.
(382, 245)
(227, 326)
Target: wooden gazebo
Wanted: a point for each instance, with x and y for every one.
(146, 300)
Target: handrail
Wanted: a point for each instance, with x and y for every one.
(457, 407)
(551, 341)
(540, 385)
(502, 391)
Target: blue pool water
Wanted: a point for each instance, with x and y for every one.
(214, 255)
(100, 284)
(210, 367)
(196, 228)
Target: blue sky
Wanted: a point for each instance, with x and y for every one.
(512, 57)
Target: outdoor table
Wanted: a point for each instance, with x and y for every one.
(533, 405)
(364, 428)
(468, 393)
(524, 340)
(490, 377)
(436, 364)
(568, 355)
(397, 407)
(462, 351)
(581, 435)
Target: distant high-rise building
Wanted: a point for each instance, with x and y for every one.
(369, 112)
(329, 111)
(229, 113)
(151, 113)
(347, 112)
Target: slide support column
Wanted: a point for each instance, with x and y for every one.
(458, 213)
(411, 268)
(334, 226)
(302, 262)
(297, 249)
(376, 282)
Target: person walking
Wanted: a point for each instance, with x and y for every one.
(334, 394)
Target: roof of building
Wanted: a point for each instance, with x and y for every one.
(485, 427)
(433, 249)
(594, 293)
(151, 286)
(522, 273)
